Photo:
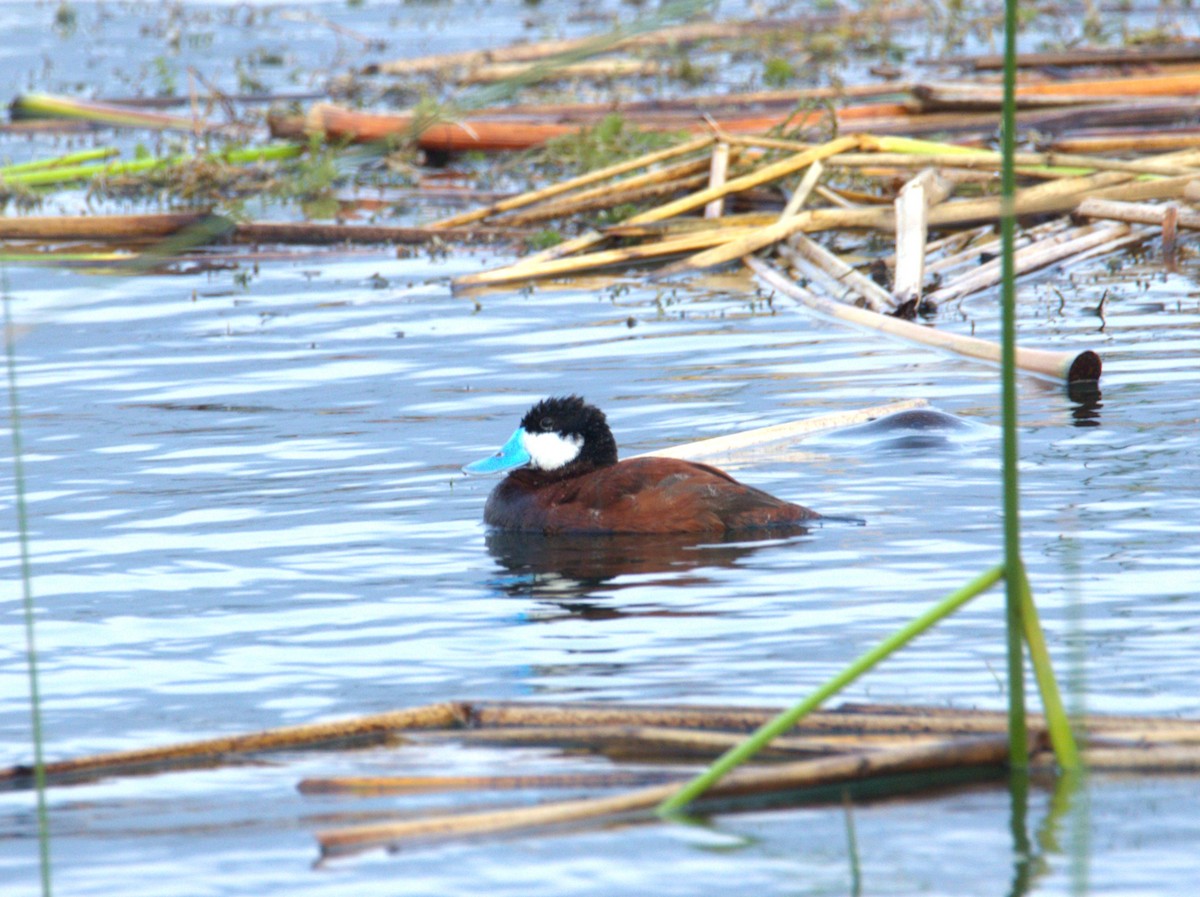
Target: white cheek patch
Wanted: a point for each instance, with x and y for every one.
(550, 451)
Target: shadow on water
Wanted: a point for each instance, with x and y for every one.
(567, 569)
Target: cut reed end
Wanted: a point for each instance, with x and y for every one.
(1086, 366)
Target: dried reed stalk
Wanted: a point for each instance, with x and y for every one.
(1139, 142)
(608, 195)
(1068, 366)
(593, 70)
(419, 784)
(841, 281)
(717, 175)
(1060, 163)
(912, 232)
(962, 753)
(586, 180)
(665, 743)
(98, 227)
(338, 234)
(1086, 56)
(377, 726)
(1135, 213)
(1036, 255)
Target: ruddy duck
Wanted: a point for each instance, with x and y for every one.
(569, 481)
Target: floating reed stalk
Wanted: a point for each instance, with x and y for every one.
(1070, 366)
(92, 155)
(576, 183)
(421, 784)
(41, 105)
(1135, 213)
(975, 752)
(285, 738)
(338, 234)
(1036, 255)
(98, 227)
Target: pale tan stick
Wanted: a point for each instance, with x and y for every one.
(601, 258)
(964, 753)
(97, 227)
(1068, 366)
(840, 280)
(627, 741)
(970, 254)
(1135, 236)
(418, 784)
(432, 716)
(1162, 188)
(851, 718)
(912, 231)
(1025, 162)
(1029, 258)
(603, 199)
(595, 69)
(763, 436)
(1137, 143)
(1133, 759)
(1135, 213)
(834, 197)
(803, 190)
(319, 233)
(585, 180)
(716, 177)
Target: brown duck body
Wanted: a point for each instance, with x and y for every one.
(640, 495)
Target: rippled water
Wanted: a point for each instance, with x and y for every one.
(246, 511)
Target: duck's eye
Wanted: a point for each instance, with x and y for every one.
(546, 425)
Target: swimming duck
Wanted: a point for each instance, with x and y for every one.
(568, 480)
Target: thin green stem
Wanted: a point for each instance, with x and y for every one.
(35, 702)
(43, 177)
(742, 752)
(90, 155)
(1017, 735)
(1057, 722)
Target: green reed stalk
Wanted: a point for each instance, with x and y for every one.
(771, 729)
(91, 155)
(44, 177)
(35, 702)
(1017, 735)
(1057, 722)
(1022, 618)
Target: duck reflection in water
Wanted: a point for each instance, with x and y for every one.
(569, 569)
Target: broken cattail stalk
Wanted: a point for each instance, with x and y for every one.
(912, 231)
(97, 227)
(718, 170)
(1135, 213)
(419, 784)
(590, 70)
(1029, 258)
(1069, 366)
(586, 180)
(607, 195)
(381, 725)
(841, 280)
(336, 234)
